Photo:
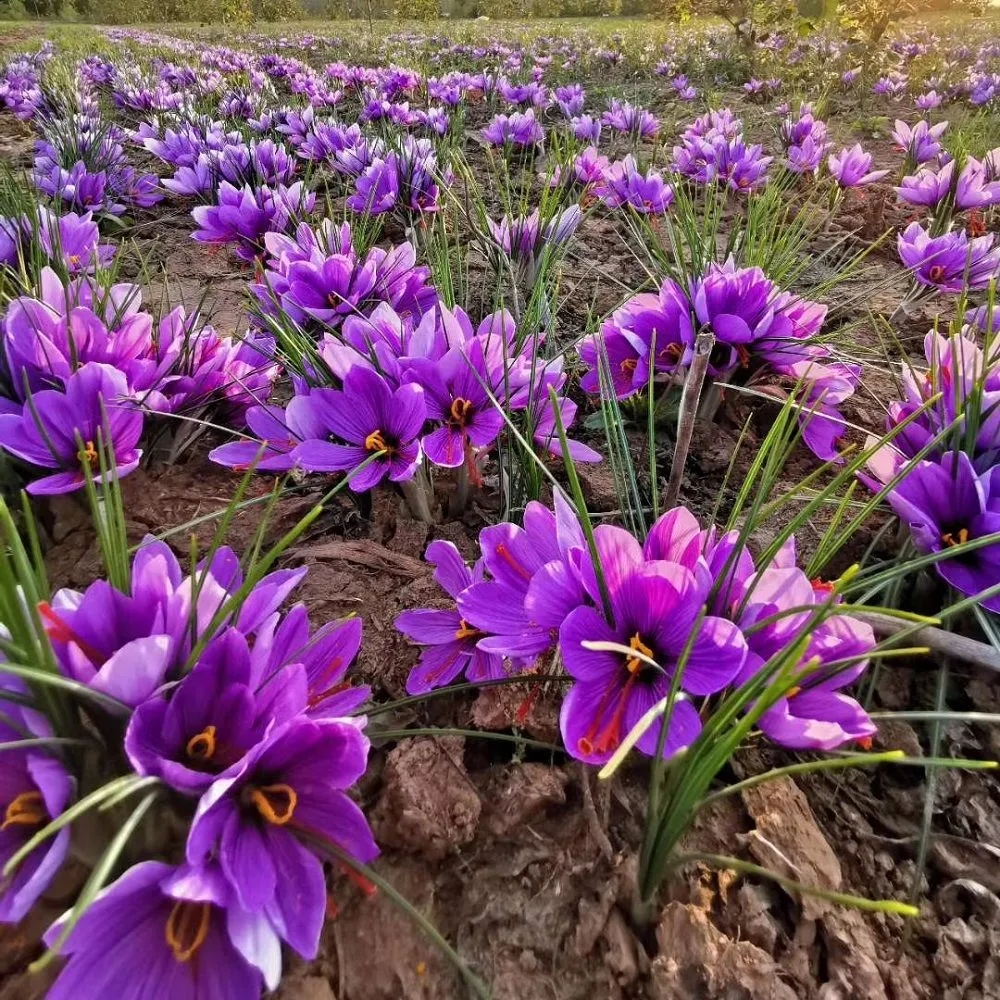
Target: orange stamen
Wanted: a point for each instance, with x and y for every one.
(466, 631)
(187, 928)
(276, 803)
(375, 442)
(203, 746)
(26, 809)
(949, 537)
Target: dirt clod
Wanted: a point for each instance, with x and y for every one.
(428, 805)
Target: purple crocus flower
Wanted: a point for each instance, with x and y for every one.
(518, 130)
(737, 304)
(927, 187)
(660, 323)
(376, 189)
(919, 143)
(268, 816)
(525, 239)
(973, 189)
(64, 430)
(218, 712)
(534, 583)
(450, 641)
(951, 262)
(636, 122)
(852, 168)
(374, 420)
(623, 184)
(34, 789)
(946, 503)
(455, 390)
(570, 99)
(654, 606)
(586, 128)
(127, 645)
(244, 215)
(75, 240)
(160, 929)
(816, 714)
(278, 432)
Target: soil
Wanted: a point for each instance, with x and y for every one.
(525, 870)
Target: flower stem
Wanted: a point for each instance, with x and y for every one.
(688, 415)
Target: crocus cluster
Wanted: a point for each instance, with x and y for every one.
(805, 141)
(243, 216)
(317, 280)
(242, 712)
(81, 165)
(950, 263)
(758, 328)
(405, 390)
(943, 462)
(712, 150)
(84, 364)
(525, 240)
(69, 241)
(624, 624)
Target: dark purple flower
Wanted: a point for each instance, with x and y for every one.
(520, 129)
(375, 421)
(215, 715)
(244, 216)
(623, 184)
(946, 503)
(268, 817)
(661, 323)
(654, 607)
(455, 390)
(160, 929)
(450, 640)
(34, 789)
(64, 430)
(951, 262)
(128, 645)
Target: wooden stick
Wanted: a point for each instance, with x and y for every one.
(958, 646)
(688, 415)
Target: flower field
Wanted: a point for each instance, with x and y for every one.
(500, 510)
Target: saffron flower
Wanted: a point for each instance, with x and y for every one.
(380, 424)
(244, 215)
(268, 816)
(161, 928)
(35, 788)
(455, 390)
(624, 184)
(951, 262)
(919, 143)
(853, 168)
(654, 606)
(660, 323)
(64, 430)
(636, 122)
(524, 240)
(127, 645)
(451, 643)
(520, 130)
(946, 503)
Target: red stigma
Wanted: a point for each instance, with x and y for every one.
(58, 631)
